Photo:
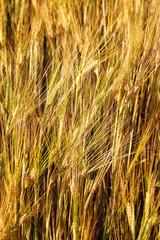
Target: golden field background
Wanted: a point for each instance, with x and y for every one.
(79, 119)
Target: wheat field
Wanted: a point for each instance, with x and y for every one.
(80, 120)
